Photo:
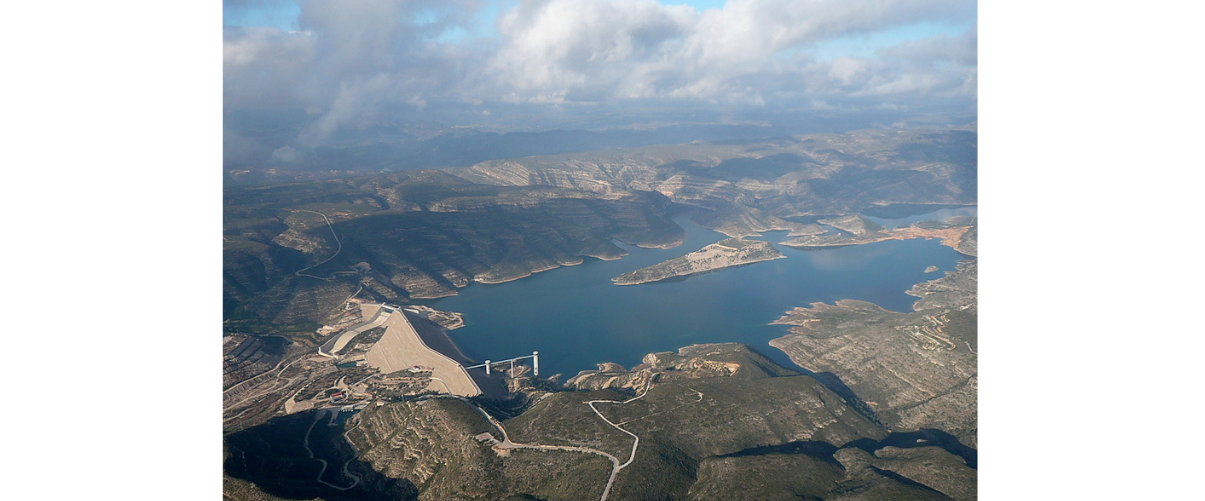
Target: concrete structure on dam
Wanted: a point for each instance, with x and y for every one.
(401, 348)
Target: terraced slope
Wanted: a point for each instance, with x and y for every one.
(915, 370)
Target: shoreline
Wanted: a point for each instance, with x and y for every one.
(604, 257)
(950, 237)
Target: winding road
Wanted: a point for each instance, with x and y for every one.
(301, 272)
(355, 478)
(506, 443)
(635, 443)
(265, 392)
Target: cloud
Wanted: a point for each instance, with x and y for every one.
(349, 58)
(286, 154)
(960, 50)
(748, 31)
(352, 59)
(262, 65)
(633, 49)
(586, 51)
(353, 101)
(356, 36)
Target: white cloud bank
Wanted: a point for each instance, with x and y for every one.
(353, 57)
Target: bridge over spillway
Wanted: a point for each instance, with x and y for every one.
(535, 358)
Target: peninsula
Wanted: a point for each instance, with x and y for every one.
(717, 256)
(958, 233)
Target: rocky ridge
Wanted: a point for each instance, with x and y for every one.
(780, 177)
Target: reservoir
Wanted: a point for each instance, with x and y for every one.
(576, 318)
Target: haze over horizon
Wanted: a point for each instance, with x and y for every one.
(320, 73)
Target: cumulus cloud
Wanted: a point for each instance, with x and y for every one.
(587, 50)
(631, 49)
(353, 58)
(751, 30)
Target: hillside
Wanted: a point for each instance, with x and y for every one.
(707, 418)
(767, 180)
(915, 370)
(294, 253)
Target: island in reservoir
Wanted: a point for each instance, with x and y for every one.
(717, 256)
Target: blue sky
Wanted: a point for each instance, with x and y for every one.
(865, 44)
(283, 14)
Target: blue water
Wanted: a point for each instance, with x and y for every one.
(576, 318)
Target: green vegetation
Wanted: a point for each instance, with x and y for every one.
(451, 464)
(565, 419)
(779, 476)
(736, 414)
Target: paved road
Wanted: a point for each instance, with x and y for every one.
(615, 465)
(274, 389)
(635, 443)
(301, 272)
(506, 443)
(355, 478)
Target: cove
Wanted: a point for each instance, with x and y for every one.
(576, 318)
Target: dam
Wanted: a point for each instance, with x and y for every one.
(402, 347)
